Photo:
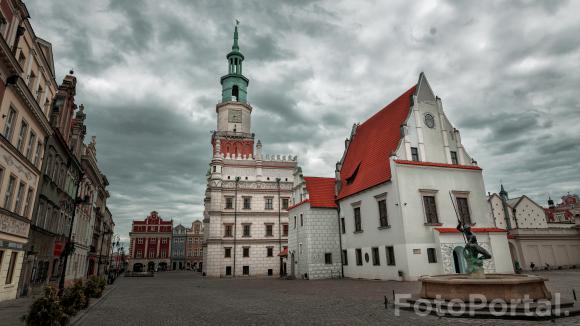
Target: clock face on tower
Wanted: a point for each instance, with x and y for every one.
(235, 116)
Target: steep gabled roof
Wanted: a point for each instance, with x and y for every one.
(320, 192)
(366, 162)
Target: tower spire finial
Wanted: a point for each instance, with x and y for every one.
(235, 47)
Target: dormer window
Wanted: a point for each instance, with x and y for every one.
(350, 179)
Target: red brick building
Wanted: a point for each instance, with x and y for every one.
(150, 245)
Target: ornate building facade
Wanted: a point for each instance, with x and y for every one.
(27, 86)
(150, 246)
(194, 246)
(247, 193)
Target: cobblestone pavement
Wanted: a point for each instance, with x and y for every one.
(184, 298)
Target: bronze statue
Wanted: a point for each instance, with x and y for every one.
(474, 253)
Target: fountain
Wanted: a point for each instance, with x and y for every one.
(476, 294)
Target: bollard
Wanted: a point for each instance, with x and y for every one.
(393, 295)
(386, 302)
(574, 294)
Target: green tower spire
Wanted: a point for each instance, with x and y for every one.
(235, 47)
(234, 84)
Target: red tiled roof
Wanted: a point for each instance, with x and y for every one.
(439, 165)
(369, 150)
(474, 230)
(320, 191)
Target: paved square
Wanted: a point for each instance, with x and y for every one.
(185, 298)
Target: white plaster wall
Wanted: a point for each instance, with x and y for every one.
(373, 236)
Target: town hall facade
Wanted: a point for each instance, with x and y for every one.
(247, 194)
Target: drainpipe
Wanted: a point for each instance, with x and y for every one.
(340, 240)
(279, 221)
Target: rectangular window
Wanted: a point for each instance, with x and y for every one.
(284, 230)
(246, 270)
(247, 202)
(270, 272)
(463, 208)
(227, 252)
(37, 153)
(285, 203)
(139, 253)
(9, 193)
(229, 203)
(454, 159)
(390, 255)
(140, 241)
(246, 230)
(357, 220)
(269, 230)
(19, 194)
(270, 252)
(11, 267)
(342, 225)
(376, 257)
(328, 258)
(246, 252)
(228, 230)
(344, 258)
(301, 220)
(358, 257)
(228, 270)
(294, 221)
(383, 221)
(269, 203)
(414, 154)
(31, 143)
(22, 135)
(9, 126)
(430, 209)
(431, 255)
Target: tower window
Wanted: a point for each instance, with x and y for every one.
(235, 92)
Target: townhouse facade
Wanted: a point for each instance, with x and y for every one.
(26, 89)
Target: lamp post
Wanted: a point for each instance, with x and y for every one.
(279, 226)
(69, 246)
(235, 220)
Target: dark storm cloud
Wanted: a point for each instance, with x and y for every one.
(149, 76)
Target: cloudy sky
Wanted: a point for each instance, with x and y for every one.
(148, 71)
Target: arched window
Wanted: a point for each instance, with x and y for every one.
(235, 92)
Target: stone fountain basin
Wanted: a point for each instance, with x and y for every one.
(505, 287)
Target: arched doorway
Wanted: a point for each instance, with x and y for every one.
(459, 263)
(138, 267)
(151, 267)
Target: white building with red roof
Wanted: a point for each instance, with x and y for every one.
(403, 175)
(313, 238)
